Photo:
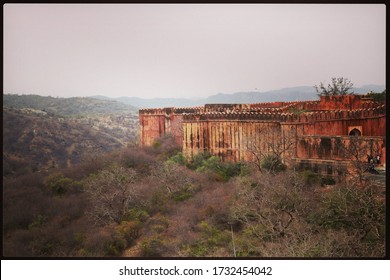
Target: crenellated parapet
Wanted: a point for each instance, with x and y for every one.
(229, 130)
(277, 115)
(170, 110)
(239, 116)
(364, 113)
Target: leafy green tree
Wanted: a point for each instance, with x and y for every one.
(378, 96)
(60, 185)
(338, 86)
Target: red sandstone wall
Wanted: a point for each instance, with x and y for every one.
(336, 148)
(151, 128)
(233, 140)
(374, 126)
(155, 123)
(230, 131)
(176, 128)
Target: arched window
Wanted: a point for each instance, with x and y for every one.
(355, 132)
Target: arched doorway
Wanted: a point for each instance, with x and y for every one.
(355, 132)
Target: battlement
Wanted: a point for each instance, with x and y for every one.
(227, 130)
(283, 105)
(237, 115)
(272, 114)
(327, 108)
(170, 110)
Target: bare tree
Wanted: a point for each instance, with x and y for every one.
(171, 176)
(358, 151)
(269, 207)
(271, 147)
(112, 192)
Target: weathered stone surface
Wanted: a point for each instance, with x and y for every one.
(302, 131)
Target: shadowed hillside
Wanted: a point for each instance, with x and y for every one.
(41, 133)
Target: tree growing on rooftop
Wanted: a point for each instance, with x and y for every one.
(338, 86)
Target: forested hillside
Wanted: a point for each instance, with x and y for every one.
(74, 106)
(76, 184)
(154, 202)
(41, 133)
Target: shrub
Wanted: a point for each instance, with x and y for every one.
(159, 224)
(61, 185)
(218, 170)
(164, 147)
(273, 163)
(183, 194)
(130, 230)
(38, 222)
(198, 159)
(327, 181)
(152, 247)
(159, 201)
(310, 178)
(139, 214)
(210, 241)
(137, 159)
(107, 241)
(360, 211)
(178, 158)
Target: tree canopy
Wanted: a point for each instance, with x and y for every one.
(338, 86)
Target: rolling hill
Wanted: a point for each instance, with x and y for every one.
(301, 93)
(41, 133)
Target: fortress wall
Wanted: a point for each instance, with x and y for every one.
(234, 131)
(151, 128)
(346, 102)
(155, 123)
(233, 140)
(340, 147)
(336, 122)
(322, 124)
(343, 102)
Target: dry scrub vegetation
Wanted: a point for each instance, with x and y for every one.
(154, 202)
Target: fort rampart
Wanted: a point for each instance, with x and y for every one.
(297, 131)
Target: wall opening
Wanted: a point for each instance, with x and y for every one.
(355, 132)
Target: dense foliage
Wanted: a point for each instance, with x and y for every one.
(338, 86)
(378, 96)
(156, 202)
(34, 140)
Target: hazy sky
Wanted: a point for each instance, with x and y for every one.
(173, 50)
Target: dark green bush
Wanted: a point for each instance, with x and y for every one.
(273, 163)
(152, 247)
(198, 159)
(60, 185)
(310, 178)
(218, 170)
(178, 158)
(327, 181)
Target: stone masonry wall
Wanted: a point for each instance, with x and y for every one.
(298, 131)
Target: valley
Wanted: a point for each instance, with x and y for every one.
(42, 133)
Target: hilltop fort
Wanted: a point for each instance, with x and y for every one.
(324, 136)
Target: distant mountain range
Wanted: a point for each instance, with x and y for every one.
(301, 93)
